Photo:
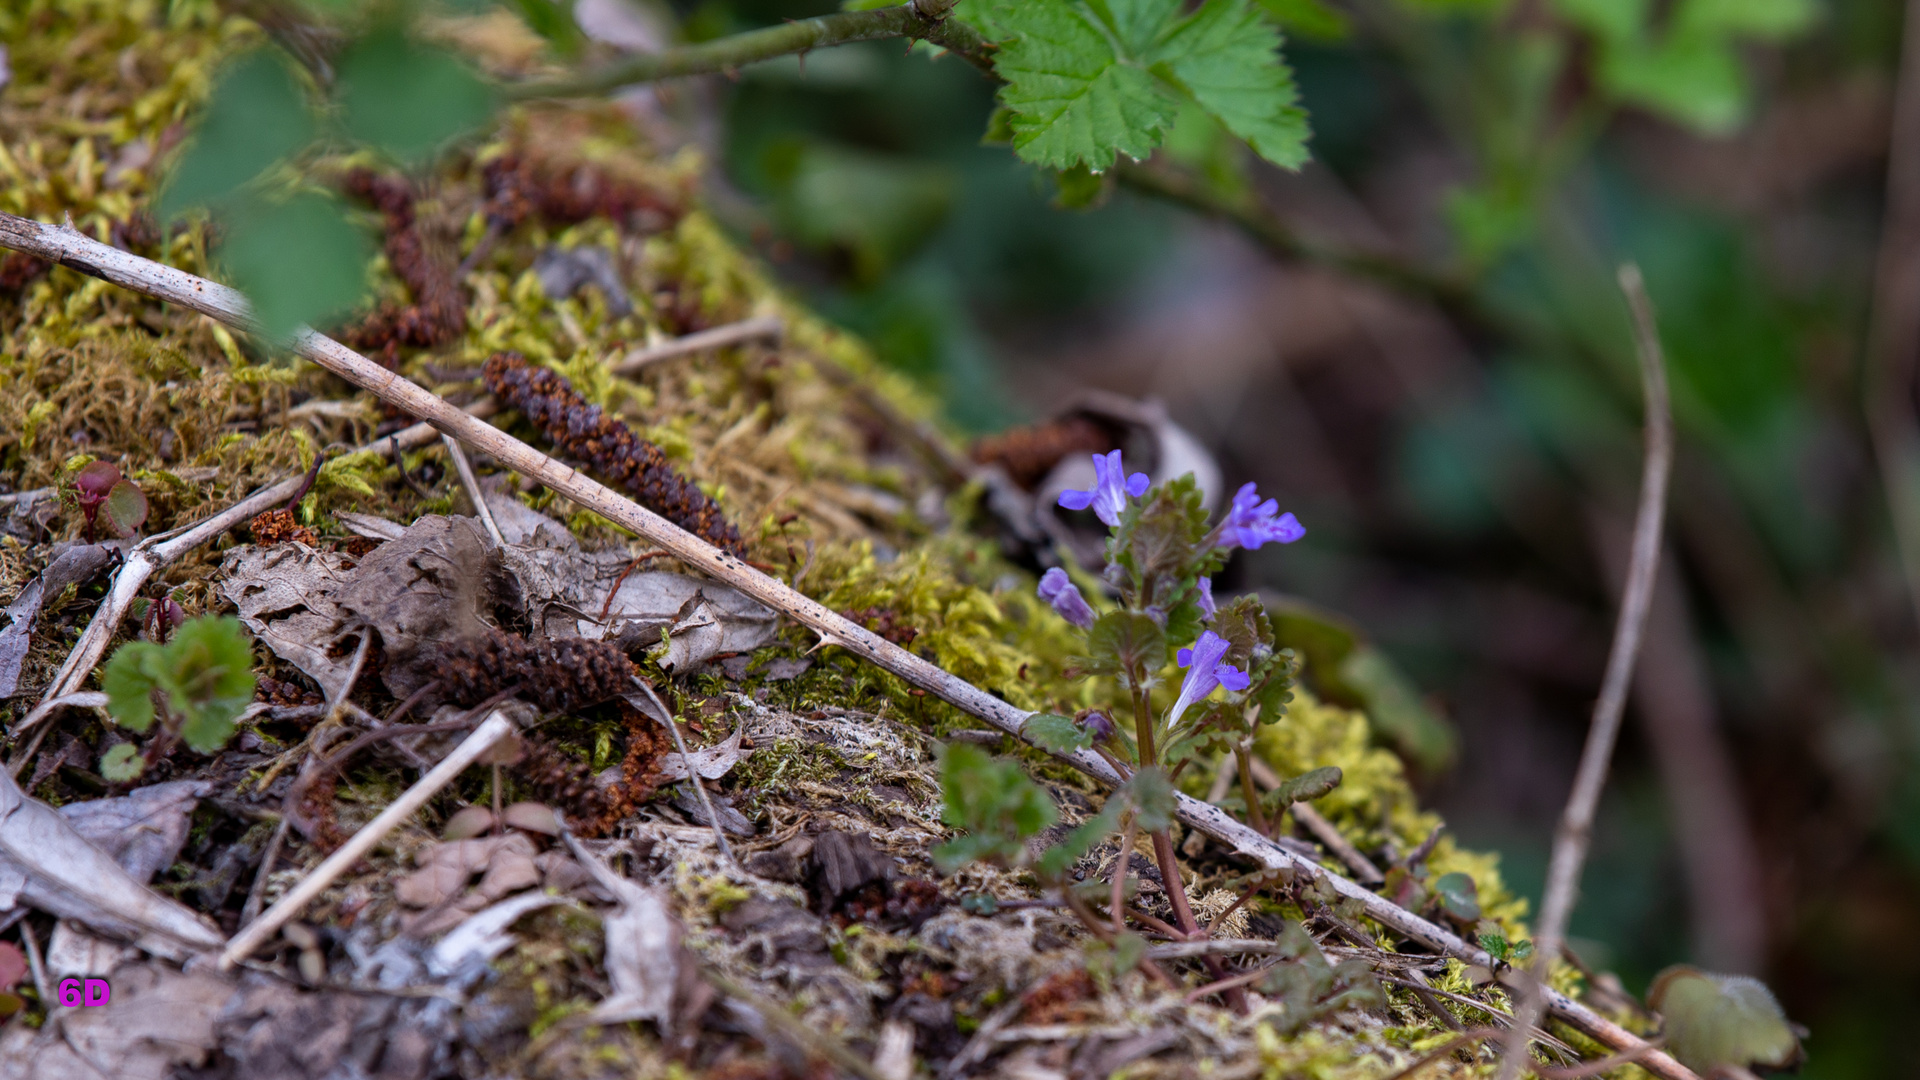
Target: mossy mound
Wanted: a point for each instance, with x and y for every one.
(826, 490)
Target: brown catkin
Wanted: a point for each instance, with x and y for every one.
(558, 675)
(584, 432)
(563, 781)
(518, 187)
(438, 313)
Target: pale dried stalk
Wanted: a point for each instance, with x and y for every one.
(767, 327)
(254, 934)
(1576, 821)
(79, 252)
(472, 484)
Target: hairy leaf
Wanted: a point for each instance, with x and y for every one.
(1121, 640)
(1075, 99)
(129, 684)
(1056, 734)
(994, 802)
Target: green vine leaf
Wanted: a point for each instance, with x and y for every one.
(256, 116)
(1089, 79)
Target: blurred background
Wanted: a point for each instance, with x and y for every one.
(1427, 360)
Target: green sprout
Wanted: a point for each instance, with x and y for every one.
(195, 685)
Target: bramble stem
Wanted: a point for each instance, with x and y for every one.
(738, 50)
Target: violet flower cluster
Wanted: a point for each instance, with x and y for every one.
(1204, 672)
(1065, 597)
(1111, 489)
(1250, 523)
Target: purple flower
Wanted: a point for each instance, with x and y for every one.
(1204, 672)
(1251, 523)
(1097, 725)
(1065, 597)
(1207, 608)
(1111, 487)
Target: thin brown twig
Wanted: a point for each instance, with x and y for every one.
(1576, 822)
(81, 253)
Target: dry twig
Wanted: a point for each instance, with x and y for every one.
(1576, 822)
(492, 730)
(73, 249)
(769, 327)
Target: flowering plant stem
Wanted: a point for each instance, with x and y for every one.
(81, 253)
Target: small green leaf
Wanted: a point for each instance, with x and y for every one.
(126, 508)
(1151, 794)
(256, 116)
(122, 763)
(994, 802)
(1459, 897)
(324, 279)
(1307, 786)
(406, 98)
(1721, 1020)
(129, 684)
(1056, 734)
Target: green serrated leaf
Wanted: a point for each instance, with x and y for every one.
(255, 116)
(122, 763)
(327, 279)
(129, 684)
(406, 98)
(1075, 99)
(1056, 734)
(1228, 58)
